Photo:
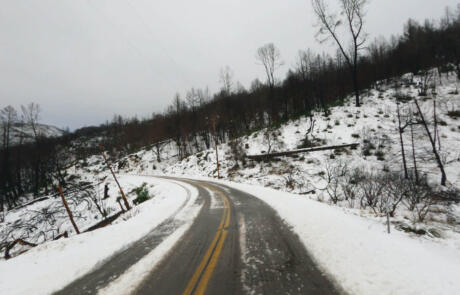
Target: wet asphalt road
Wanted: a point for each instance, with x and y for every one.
(236, 245)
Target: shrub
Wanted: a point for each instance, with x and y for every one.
(380, 155)
(142, 194)
(454, 114)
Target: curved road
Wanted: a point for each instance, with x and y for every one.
(236, 245)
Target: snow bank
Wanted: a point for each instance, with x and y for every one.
(53, 265)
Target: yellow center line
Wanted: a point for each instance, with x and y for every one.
(200, 279)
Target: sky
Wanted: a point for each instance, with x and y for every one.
(85, 60)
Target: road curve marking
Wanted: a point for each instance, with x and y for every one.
(200, 279)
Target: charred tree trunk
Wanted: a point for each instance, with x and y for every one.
(403, 153)
(414, 159)
(433, 145)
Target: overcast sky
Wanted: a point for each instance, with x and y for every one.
(85, 60)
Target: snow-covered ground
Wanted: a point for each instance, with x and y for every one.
(68, 259)
(374, 126)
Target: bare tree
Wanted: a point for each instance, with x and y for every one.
(303, 63)
(414, 158)
(31, 116)
(433, 143)
(213, 121)
(8, 116)
(401, 141)
(352, 16)
(270, 57)
(225, 78)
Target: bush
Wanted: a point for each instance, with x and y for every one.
(380, 155)
(142, 194)
(454, 114)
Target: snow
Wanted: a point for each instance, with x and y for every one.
(52, 265)
(358, 253)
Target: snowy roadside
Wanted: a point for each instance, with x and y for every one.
(55, 264)
(358, 253)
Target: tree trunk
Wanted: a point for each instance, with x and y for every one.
(114, 177)
(414, 159)
(355, 85)
(403, 153)
(433, 145)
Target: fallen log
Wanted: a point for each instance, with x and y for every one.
(29, 203)
(18, 241)
(298, 151)
(104, 222)
(63, 235)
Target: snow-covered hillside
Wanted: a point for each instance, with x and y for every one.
(374, 126)
(24, 132)
(335, 200)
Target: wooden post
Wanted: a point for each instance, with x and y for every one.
(114, 177)
(68, 209)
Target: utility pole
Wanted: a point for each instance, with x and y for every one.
(114, 177)
(68, 209)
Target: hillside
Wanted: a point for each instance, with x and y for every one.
(24, 132)
(336, 200)
(322, 176)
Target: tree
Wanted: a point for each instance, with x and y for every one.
(433, 143)
(303, 63)
(225, 78)
(270, 57)
(8, 116)
(31, 115)
(352, 15)
(213, 121)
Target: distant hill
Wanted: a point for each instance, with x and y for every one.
(25, 132)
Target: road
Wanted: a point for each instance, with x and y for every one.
(236, 245)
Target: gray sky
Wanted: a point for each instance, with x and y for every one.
(85, 60)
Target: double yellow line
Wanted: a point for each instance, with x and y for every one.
(200, 279)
